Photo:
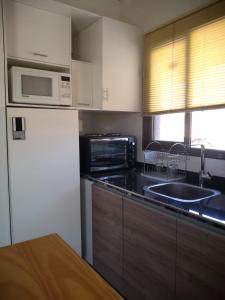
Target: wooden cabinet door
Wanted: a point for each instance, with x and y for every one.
(200, 271)
(149, 252)
(107, 235)
(37, 35)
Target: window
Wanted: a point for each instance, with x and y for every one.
(169, 127)
(184, 86)
(198, 127)
(207, 128)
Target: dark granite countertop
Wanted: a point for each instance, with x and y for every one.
(132, 182)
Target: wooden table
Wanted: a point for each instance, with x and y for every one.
(47, 268)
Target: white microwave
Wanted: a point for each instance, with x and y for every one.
(33, 86)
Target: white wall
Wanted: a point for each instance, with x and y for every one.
(149, 14)
(108, 8)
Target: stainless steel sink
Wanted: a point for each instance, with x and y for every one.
(181, 191)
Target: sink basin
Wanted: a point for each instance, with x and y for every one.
(181, 191)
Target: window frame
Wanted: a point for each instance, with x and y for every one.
(148, 136)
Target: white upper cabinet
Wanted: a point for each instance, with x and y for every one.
(115, 50)
(37, 35)
(82, 85)
(121, 66)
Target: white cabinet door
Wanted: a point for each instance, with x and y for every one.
(82, 84)
(122, 72)
(37, 35)
(90, 49)
(44, 175)
(115, 50)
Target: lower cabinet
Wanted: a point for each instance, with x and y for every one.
(107, 235)
(200, 272)
(149, 252)
(134, 246)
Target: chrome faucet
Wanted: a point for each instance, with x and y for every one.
(178, 144)
(202, 174)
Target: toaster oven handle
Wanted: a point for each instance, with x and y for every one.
(110, 139)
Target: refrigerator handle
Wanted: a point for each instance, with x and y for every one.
(18, 128)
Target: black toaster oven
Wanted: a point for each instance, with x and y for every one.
(101, 152)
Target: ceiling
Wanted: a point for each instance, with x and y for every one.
(146, 14)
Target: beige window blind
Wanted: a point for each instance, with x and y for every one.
(185, 63)
(207, 66)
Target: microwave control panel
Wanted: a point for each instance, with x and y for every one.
(65, 88)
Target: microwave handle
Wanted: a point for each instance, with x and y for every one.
(39, 54)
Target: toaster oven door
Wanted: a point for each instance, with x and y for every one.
(109, 154)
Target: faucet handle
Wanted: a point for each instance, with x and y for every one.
(206, 175)
(209, 175)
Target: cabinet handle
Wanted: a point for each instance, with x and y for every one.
(106, 94)
(39, 54)
(85, 104)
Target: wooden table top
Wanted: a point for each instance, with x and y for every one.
(48, 269)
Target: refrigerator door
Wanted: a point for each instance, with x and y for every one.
(44, 175)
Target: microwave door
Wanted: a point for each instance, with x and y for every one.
(35, 88)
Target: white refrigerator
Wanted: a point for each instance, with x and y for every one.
(44, 175)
